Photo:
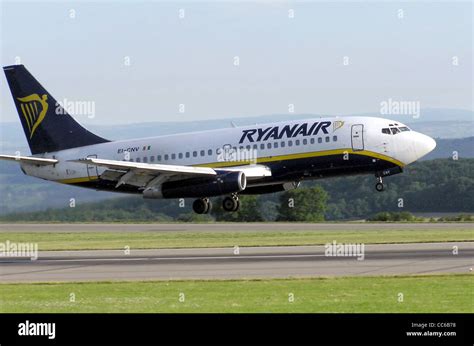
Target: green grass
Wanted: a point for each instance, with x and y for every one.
(184, 239)
(443, 293)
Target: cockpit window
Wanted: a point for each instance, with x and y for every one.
(404, 128)
(395, 130)
(386, 131)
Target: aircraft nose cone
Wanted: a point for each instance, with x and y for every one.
(424, 145)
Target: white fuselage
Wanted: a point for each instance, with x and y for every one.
(272, 145)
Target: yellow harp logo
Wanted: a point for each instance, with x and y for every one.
(337, 125)
(34, 110)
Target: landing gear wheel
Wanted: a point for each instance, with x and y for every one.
(202, 206)
(379, 187)
(237, 205)
(231, 203)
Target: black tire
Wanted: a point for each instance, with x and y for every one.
(229, 204)
(379, 187)
(200, 206)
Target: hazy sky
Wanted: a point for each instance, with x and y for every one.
(79, 50)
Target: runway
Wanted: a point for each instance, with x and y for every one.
(250, 262)
(226, 227)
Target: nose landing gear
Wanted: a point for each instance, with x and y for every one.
(202, 206)
(379, 186)
(231, 203)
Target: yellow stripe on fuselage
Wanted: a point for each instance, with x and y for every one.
(271, 159)
(306, 155)
(77, 180)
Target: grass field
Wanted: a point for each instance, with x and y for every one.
(184, 239)
(443, 293)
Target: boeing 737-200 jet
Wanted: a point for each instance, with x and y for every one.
(226, 162)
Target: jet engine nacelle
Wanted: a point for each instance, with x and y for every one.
(222, 184)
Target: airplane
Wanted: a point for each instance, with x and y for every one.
(227, 162)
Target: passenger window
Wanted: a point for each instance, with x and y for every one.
(138, 159)
(203, 153)
(195, 153)
(320, 140)
(255, 146)
(312, 140)
(166, 157)
(145, 159)
(290, 143)
(327, 139)
(131, 160)
(297, 142)
(275, 145)
(248, 147)
(173, 156)
(334, 138)
(386, 131)
(209, 152)
(305, 141)
(269, 145)
(282, 144)
(152, 159)
(180, 155)
(188, 154)
(262, 146)
(158, 158)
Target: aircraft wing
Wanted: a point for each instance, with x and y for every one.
(139, 167)
(29, 159)
(147, 174)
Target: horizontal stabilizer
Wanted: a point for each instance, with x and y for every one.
(29, 159)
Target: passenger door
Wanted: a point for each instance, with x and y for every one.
(357, 137)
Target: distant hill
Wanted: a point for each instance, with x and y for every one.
(446, 147)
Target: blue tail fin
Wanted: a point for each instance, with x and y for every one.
(48, 127)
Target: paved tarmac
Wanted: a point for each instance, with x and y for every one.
(251, 262)
(227, 227)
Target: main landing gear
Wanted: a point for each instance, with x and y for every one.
(202, 206)
(231, 203)
(379, 186)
